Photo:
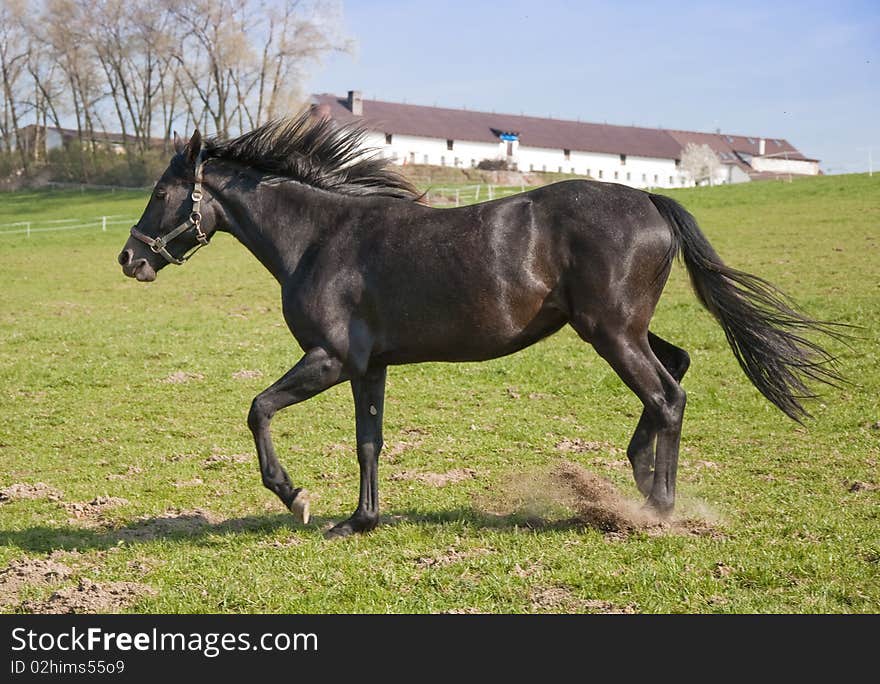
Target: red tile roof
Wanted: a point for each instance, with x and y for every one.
(464, 124)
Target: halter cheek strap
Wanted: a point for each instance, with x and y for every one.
(159, 244)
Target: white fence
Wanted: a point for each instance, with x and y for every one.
(469, 194)
(28, 228)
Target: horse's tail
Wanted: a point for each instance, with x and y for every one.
(762, 325)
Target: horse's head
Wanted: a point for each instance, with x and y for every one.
(174, 223)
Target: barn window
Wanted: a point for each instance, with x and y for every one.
(572, 169)
(600, 173)
(442, 161)
(671, 181)
(473, 163)
(615, 175)
(655, 177)
(387, 138)
(531, 167)
(566, 154)
(449, 144)
(457, 161)
(644, 178)
(425, 159)
(412, 157)
(678, 161)
(559, 169)
(628, 175)
(623, 160)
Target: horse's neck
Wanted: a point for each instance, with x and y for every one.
(276, 222)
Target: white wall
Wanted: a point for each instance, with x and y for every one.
(408, 149)
(782, 165)
(639, 172)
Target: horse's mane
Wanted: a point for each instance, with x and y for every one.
(317, 152)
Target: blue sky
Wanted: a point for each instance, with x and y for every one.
(805, 71)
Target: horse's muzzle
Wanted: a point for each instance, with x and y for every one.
(136, 268)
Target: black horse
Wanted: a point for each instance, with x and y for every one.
(370, 277)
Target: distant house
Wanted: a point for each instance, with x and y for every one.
(640, 157)
(55, 138)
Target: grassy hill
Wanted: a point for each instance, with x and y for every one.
(127, 402)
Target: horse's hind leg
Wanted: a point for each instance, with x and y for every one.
(641, 447)
(632, 357)
(315, 372)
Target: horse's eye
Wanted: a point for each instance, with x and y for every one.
(160, 194)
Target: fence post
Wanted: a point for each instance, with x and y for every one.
(477, 196)
(28, 228)
(491, 192)
(104, 223)
(456, 198)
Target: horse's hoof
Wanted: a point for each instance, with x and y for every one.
(300, 507)
(661, 509)
(357, 524)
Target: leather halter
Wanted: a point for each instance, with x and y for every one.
(159, 244)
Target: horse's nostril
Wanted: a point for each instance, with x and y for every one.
(125, 257)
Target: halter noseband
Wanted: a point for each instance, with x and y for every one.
(159, 244)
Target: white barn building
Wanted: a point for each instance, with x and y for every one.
(640, 157)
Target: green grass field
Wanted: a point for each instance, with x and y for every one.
(112, 388)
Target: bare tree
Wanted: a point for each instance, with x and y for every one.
(13, 60)
(237, 84)
(700, 162)
(66, 25)
(224, 65)
(297, 37)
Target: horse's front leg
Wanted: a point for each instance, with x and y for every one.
(369, 400)
(316, 371)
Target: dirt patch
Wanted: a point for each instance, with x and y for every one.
(181, 377)
(175, 522)
(569, 494)
(410, 439)
(467, 610)
(37, 490)
(217, 459)
(247, 374)
(28, 572)
(597, 502)
(436, 479)
(93, 511)
(582, 446)
(451, 555)
(90, 597)
(194, 482)
(859, 486)
(129, 472)
(561, 600)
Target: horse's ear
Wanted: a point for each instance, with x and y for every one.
(194, 147)
(178, 143)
